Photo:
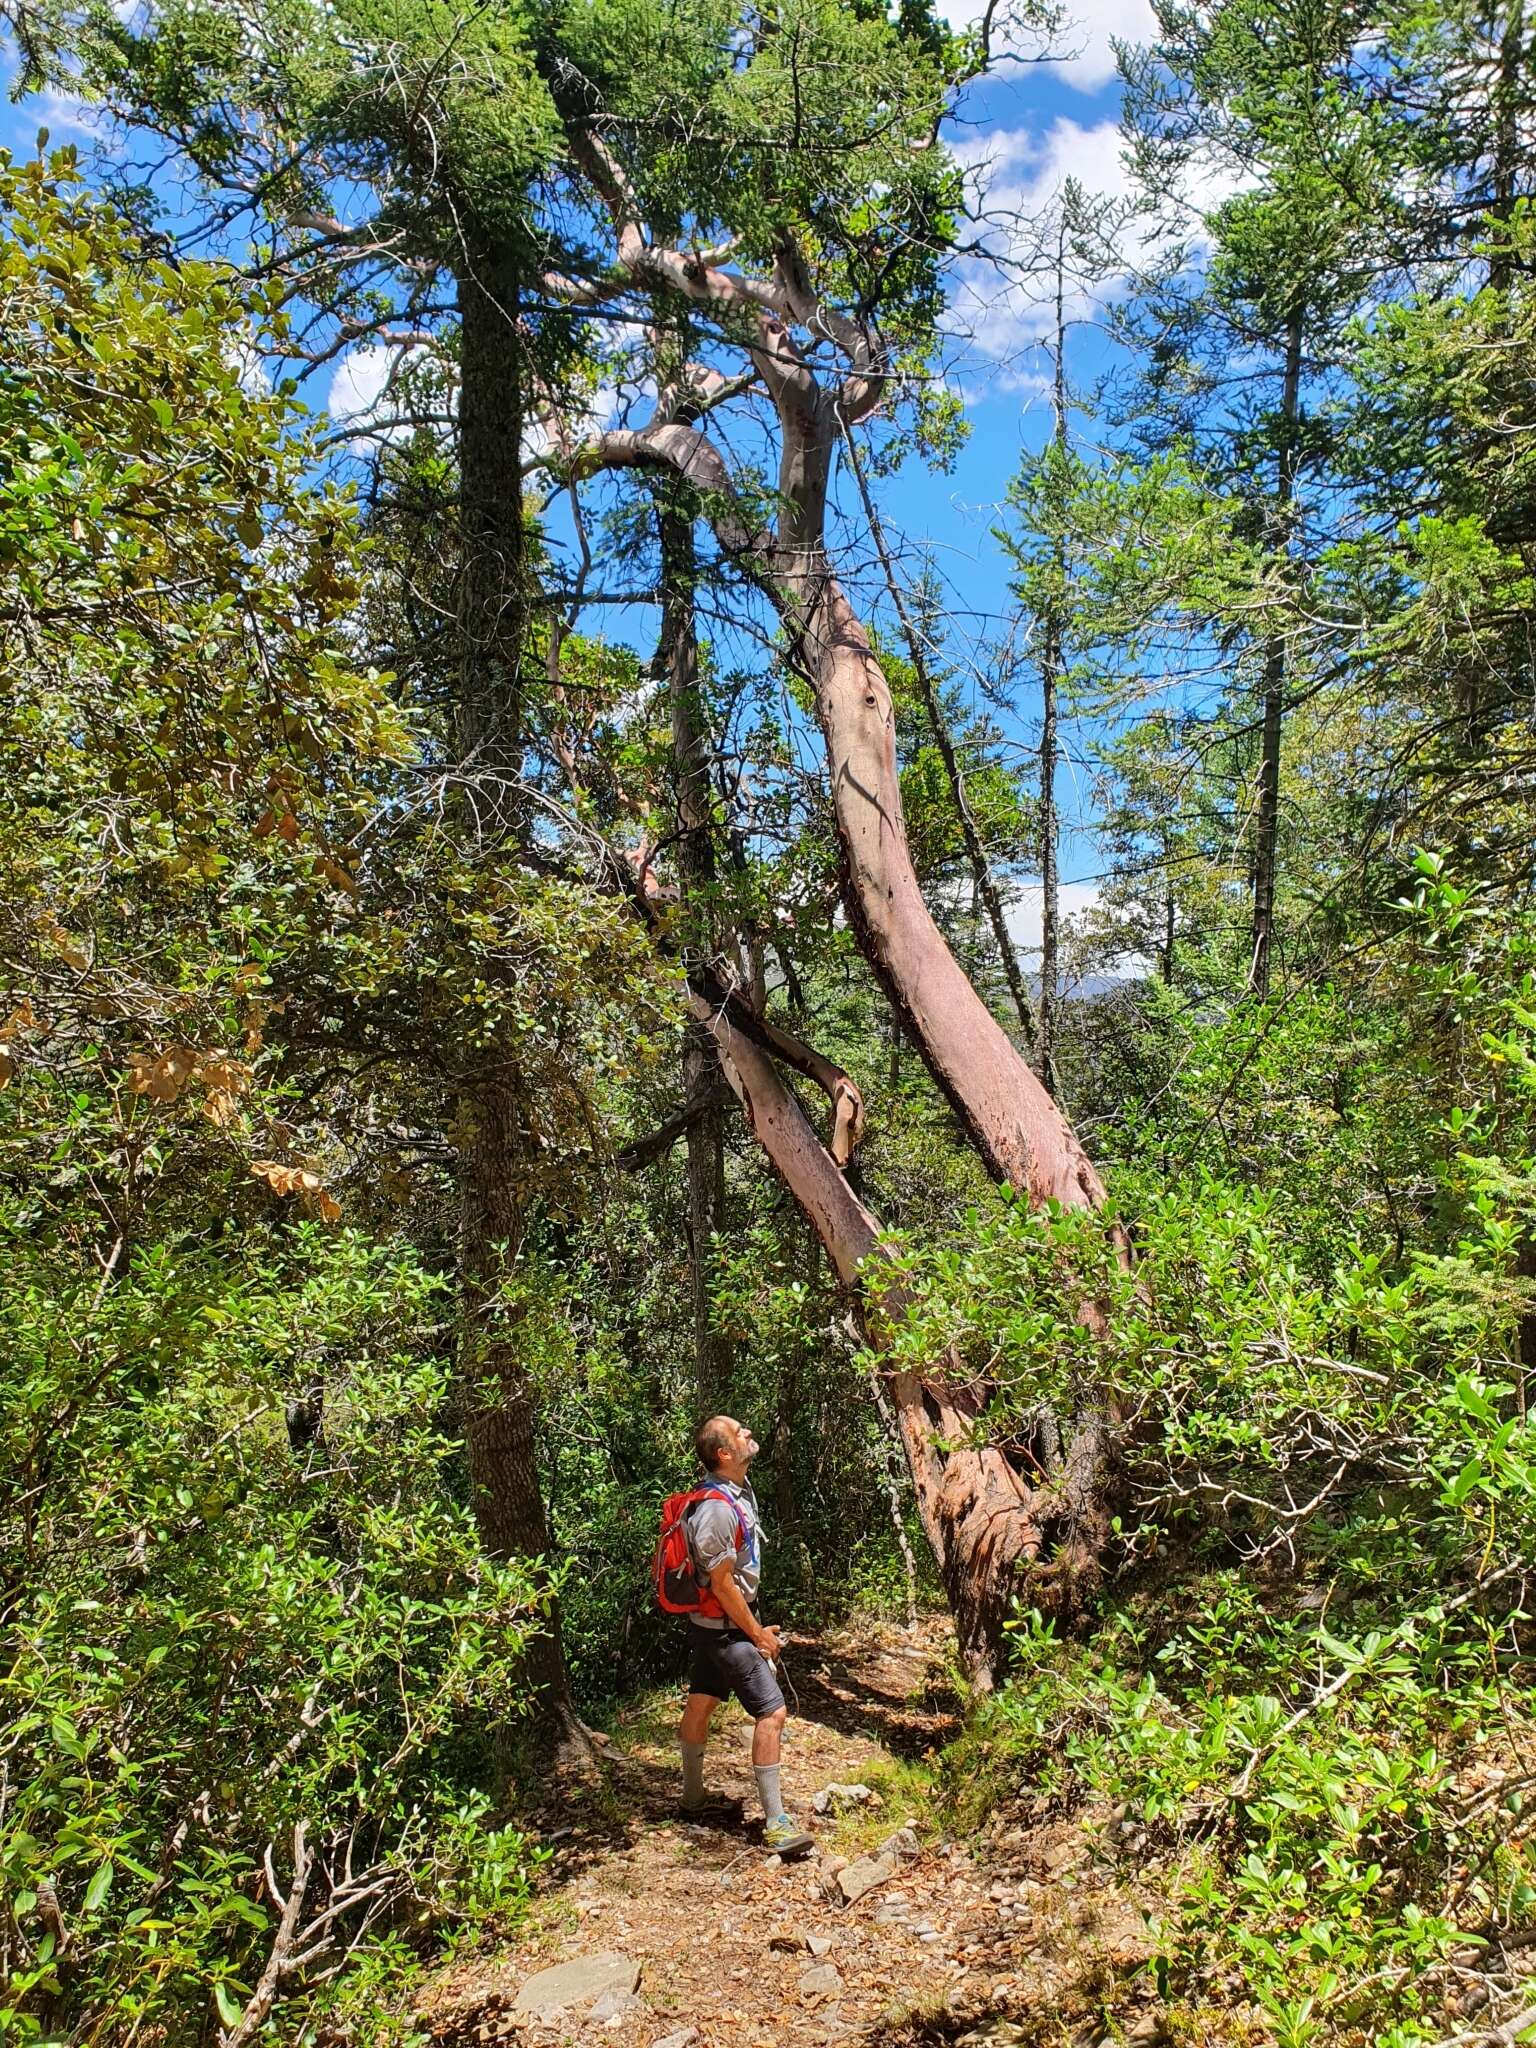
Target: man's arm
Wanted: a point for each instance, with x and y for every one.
(722, 1583)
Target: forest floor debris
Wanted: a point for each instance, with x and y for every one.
(1007, 1939)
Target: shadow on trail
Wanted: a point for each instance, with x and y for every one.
(586, 1822)
(886, 1699)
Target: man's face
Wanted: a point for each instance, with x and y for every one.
(744, 1444)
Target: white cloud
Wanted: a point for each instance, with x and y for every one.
(1026, 913)
(66, 116)
(1016, 179)
(358, 385)
(1004, 303)
(1077, 902)
(1096, 25)
(1091, 27)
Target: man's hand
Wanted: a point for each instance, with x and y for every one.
(722, 1583)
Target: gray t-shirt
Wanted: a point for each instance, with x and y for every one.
(712, 1532)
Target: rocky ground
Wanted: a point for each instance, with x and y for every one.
(654, 1934)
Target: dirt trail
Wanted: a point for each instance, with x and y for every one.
(1009, 1938)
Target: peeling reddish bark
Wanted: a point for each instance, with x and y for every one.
(983, 1519)
(986, 1525)
(1005, 1110)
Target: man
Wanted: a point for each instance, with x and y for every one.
(733, 1653)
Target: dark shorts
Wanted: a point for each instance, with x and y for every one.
(721, 1661)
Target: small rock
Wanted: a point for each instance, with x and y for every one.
(825, 1981)
(615, 2006)
(903, 1843)
(833, 1796)
(684, 2038)
(818, 1944)
(577, 1983)
(864, 1875)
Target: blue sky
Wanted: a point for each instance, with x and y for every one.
(1022, 133)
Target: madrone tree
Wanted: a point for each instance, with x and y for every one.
(804, 279)
(760, 198)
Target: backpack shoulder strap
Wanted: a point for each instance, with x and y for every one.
(719, 1493)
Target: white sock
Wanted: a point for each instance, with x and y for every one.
(767, 1776)
(693, 1772)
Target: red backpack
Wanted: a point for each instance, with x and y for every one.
(677, 1583)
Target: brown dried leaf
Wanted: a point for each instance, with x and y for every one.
(282, 1180)
(162, 1079)
(223, 1076)
(301, 1181)
(22, 1018)
(337, 875)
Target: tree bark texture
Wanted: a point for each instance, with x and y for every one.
(985, 1524)
(1000, 1101)
(1267, 800)
(976, 853)
(705, 1137)
(494, 1146)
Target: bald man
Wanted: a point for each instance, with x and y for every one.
(735, 1653)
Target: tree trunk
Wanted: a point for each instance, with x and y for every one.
(1000, 1102)
(705, 1138)
(1052, 655)
(1267, 801)
(985, 882)
(984, 1523)
(1050, 887)
(495, 1144)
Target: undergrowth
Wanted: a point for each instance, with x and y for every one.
(1310, 1698)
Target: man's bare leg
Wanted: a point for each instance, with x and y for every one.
(767, 1739)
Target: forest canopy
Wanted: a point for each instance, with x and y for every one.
(545, 908)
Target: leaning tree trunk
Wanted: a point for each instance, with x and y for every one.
(1000, 1101)
(976, 853)
(981, 1516)
(984, 1523)
(495, 1158)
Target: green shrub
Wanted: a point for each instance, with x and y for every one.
(243, 1601)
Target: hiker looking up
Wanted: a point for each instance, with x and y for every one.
(733, 1652)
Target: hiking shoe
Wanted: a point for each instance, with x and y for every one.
(784, 1838)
